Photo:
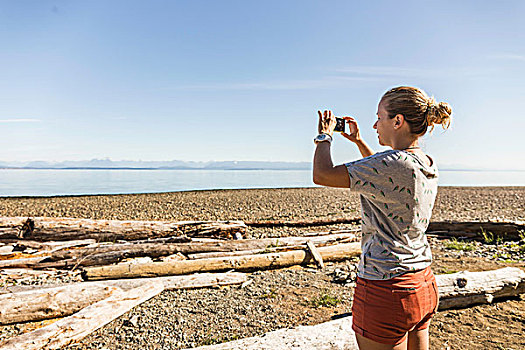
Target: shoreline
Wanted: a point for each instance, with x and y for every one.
(494, 187)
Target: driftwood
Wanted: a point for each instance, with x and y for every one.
(113, 253)
(315, 254)
(466, 288)
(51, 246)
(197, 280)
(302, 223)
(51, 302)
(62, 229)
(77, 326)
(31, 304)
(241, 263)
(22, 262)
(332, 335)
(270, 249)
(505, 230)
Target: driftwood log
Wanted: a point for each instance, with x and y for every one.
(22, 262)
(270, 249)
(466, 288)
(105, 254)
(509, 230)
(72, 328)
(31, 304)
(505, 230)
(332, 335)
(63, 229)
(302, 223)
(51, 302)
(240, 263)
(51, 246)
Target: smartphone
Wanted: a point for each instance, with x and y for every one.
(340, 126)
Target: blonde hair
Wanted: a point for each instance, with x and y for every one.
(419, 110)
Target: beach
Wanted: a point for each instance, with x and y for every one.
(293, 296)
(452, 203)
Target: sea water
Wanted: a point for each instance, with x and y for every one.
(46, 182)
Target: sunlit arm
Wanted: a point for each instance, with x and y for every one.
(364, 148)
(324, 172)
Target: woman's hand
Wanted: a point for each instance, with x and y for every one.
(327, 122)
(353, 128)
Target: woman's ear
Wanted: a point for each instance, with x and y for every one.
(399, 120)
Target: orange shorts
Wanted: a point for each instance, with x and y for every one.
(384, 311)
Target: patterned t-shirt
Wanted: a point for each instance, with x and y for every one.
(397, 191)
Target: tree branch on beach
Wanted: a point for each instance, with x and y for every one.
(63, 229)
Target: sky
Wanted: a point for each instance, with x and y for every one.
(242, 80)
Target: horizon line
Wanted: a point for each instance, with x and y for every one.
(224, 168)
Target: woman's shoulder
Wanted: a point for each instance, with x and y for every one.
(388, 154)
(389, 158)
(392, 156)
(394, 160)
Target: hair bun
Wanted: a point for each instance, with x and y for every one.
(438, 113)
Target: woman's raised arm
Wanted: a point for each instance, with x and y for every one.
(324, 172)
(355, 137)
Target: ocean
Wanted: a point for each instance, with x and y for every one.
(46, 182)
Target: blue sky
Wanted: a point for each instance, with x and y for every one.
(242, 80)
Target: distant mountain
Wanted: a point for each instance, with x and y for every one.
(107, 163)
(241, 165)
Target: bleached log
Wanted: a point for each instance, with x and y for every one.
(330, 232)
(197, 280)
(27, 303)
(209, 255)
(241, 263)
(51, 302)
(61, 229)
(72, 328)
(332, 335)
(467, 288)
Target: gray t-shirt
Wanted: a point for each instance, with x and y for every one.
(397, 191)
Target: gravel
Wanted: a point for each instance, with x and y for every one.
(453, 203)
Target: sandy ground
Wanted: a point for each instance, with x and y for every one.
(288, 297)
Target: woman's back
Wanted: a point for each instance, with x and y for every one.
(398, 191)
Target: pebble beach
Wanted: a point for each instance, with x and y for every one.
(279, 298)
(453, 203)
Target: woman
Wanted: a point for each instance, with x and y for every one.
(396, 293)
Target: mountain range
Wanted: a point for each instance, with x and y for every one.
(107, 163)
